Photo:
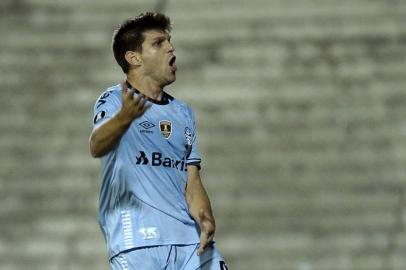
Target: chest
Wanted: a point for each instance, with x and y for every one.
(162, 128)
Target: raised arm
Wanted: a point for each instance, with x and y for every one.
(199, 207)
(105, 137)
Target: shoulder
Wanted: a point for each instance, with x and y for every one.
(109, 95)
(183, 106)
(113, 91)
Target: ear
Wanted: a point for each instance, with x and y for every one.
(133, 58)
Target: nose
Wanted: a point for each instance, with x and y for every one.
(171, 47)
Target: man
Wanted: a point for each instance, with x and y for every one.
(154, 211)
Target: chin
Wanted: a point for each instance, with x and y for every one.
(171, 80)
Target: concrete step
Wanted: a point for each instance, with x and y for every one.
(285, 5)
(305, 252)
(77, 4)
(278, 203)
(328, 224)
(229, 10)
(58, 40)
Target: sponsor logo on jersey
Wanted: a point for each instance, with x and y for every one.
(100, 115)
(149, 232)
(142, 159)
(102, 99)
(146, 125)
(157, 159)
(166, 128)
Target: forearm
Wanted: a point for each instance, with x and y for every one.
(200, 208)
(197, 199)
(105, 138)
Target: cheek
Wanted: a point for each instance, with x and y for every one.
(151, 61)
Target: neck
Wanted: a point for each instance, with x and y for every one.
(146, 86)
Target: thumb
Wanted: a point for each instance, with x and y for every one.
(204, 241)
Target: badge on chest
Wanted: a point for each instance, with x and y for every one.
(166, 128)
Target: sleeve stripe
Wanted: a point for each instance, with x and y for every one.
(193, 160)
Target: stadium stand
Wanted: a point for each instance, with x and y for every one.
(300, 108)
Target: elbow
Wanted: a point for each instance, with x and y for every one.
(94, 150)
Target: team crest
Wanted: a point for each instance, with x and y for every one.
(166, 128)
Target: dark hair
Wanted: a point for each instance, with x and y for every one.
(129, 36)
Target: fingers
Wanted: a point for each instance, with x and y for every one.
(128, 94)
(207, 229)
(203, 243)
(135, 106)
(205, 240)
(124, 86)
(142, 103)
(124, 92)
(137, 99)
(141, 100)
(146, 106)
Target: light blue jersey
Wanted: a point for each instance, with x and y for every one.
(143, 179)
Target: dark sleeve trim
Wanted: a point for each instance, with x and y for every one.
(197, 164)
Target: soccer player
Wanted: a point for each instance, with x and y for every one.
(153, 209)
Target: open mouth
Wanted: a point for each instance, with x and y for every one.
(172, 63)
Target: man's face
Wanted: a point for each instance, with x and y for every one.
(158, 60)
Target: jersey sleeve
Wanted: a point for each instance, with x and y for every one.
(193, 156)
(105, 108)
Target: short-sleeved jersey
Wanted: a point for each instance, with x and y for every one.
(143, 179)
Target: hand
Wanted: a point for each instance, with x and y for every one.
(132, 108)
(207, 229)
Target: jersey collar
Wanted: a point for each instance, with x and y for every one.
(165, 97)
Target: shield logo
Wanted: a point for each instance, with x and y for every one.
(166, 128)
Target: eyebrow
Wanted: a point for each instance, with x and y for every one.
(159, 38)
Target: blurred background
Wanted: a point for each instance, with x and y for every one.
(301, 116)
